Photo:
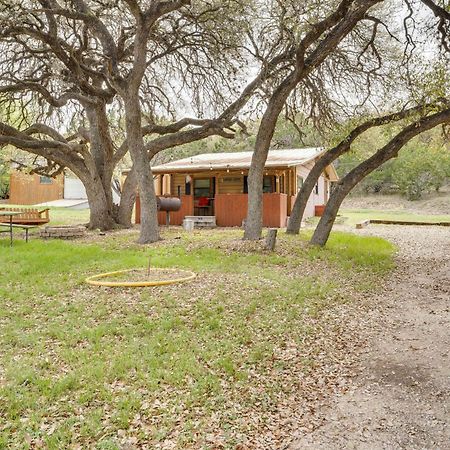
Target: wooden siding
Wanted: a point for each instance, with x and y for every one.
(178, 180)
(27, 190)
(231, 184)
(231, 210)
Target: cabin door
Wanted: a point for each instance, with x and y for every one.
(204, 191)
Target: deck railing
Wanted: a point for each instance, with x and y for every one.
(231, 209)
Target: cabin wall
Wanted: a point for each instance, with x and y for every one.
(231, 184)
(178, 182)
(33, 189)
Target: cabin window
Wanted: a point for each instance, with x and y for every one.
(231, 180)
(299, 183)
(268, 183)
(245, 184)
(281, 183)
(202, 187)
(316, 189)
(45, 180)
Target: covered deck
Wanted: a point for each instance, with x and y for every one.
(224, 195)
(216, 185)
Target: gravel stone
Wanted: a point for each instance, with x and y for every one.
(401, 398)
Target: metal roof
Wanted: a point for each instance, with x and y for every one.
(239, 160)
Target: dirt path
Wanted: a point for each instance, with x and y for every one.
(401, 399)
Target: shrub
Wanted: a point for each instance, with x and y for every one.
(422, 166)
(420, 169)
(4, 180)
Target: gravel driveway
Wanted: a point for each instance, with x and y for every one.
(401, 399)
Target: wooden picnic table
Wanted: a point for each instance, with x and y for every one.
(11, 214)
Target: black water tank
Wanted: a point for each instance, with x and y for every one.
(168, 204)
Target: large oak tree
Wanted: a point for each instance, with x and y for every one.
(338, 38)
(83, 82)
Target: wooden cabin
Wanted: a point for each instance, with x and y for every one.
(215, 184)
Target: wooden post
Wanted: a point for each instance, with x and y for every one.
(137, 211)
(271, 239)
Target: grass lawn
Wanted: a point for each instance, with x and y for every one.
(64, 216)
(220, 361)
(353, 216)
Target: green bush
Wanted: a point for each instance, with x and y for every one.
(419, 170)
(4, 180)
(423, 165)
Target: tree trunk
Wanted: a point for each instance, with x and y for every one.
(298, 210)
(323, 230)
(147, 195)
(355, 176)
(102, 148)
(149, 211)
(101, 168)
(100, 209)
(127, 200)
(254, 221)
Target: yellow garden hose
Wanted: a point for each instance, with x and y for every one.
(97, 280)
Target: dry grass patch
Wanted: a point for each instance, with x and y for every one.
(236, 357)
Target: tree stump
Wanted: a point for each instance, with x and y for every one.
(271, 239)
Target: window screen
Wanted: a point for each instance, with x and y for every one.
(202, 187)
(45, 180)
(268, 185)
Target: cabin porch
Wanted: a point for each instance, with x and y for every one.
(224, 195)
(230, 210)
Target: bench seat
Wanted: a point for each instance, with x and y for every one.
(17, 225)
(27, 216)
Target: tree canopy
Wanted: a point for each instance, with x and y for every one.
(85, 82)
